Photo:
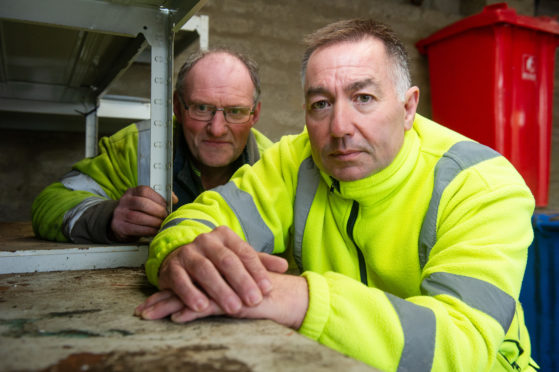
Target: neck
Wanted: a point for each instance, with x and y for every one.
(212, 177)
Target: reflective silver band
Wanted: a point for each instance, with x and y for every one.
(76, 180)
(257, 233)
(477, 293)
(176, 221)
(307, 184)
(419, 327)
(460, 156)
(74, 214)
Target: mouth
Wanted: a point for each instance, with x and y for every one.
(215, 142)
(346, 155)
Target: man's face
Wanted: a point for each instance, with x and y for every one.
(221, 80)
(355, 120)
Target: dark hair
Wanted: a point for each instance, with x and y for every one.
(194, 58)
(357, 30)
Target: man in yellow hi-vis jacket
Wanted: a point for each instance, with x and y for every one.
(411, 239)
(100, 200)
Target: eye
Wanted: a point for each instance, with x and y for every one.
(201, 107)
(319, 105)
(238, 110)
(363, 99)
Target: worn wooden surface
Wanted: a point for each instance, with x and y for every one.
(19, 236)
(82, 321)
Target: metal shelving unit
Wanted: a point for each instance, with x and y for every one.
(61, 57)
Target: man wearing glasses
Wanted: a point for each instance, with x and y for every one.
(216, 104)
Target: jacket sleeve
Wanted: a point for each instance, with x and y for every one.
(256, 203)
(465, 316)
(79, 206)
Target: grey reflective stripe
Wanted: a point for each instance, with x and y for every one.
(460, 156)
(76, 180)
(419, 327)
(477, 293)
(176, 221)
(307, 184)
(257, 233)
(74, 214)
(144, 143)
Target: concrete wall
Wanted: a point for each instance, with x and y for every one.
(271, 32)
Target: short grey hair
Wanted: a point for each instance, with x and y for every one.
(356, 30)
(195, 57)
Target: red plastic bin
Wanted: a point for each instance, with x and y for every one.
(491, 78)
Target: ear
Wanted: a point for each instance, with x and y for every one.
(177, 107)
(256, 114)
(411, 100)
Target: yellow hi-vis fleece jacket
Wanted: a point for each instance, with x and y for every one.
(80, 206)
(415, 268)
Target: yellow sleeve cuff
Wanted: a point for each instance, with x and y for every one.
(319, 306)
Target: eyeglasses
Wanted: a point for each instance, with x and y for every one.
(232, 114)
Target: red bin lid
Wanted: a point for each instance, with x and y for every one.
(490, 15)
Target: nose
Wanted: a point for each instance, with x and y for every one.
(217, 126)
(341, 121)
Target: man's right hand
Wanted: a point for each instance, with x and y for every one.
(140, 212)
(220, 266)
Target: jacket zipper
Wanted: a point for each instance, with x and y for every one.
(350, 226)
(335, 186)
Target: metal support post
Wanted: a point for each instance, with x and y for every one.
(91, 134)
(200, 24)
(160, 37)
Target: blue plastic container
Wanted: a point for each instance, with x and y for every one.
(540, 292)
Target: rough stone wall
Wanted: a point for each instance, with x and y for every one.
(553, 206)
(29, 161)
(271, 32)
(551, 8)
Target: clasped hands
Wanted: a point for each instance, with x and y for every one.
(221, 274)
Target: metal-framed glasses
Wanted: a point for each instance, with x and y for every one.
(206, 112)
